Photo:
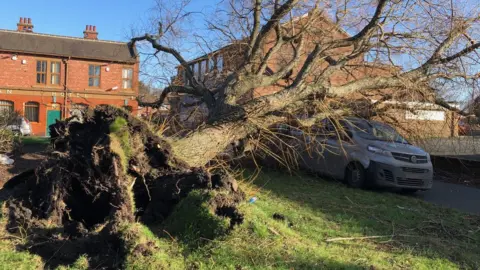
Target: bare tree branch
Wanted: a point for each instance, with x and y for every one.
(256, 26)
(170, 89)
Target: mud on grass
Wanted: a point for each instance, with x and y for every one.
(104, 173)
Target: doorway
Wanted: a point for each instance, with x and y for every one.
(52, 116)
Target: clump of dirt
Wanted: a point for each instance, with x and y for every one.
(102, 173)
(281, 217)
(278, 216)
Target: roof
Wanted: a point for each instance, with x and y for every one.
(206, 55)
(52, 45)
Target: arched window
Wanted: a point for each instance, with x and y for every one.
(6, 107)
(32, 111)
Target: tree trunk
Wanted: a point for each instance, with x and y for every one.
(203, 145)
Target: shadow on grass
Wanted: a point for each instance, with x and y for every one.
(405, 224)
(103, 251)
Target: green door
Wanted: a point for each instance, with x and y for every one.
(52, 116)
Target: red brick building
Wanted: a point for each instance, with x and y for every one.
(47, 77)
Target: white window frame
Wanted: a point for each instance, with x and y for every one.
(211, 64)
(124, 79)
(219, 63)
(425, 115)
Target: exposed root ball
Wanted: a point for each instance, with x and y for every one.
(105, 172)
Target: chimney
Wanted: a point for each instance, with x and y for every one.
(25, 25)
(90, 32)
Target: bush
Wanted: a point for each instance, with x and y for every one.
(7, 141)
(7, 138)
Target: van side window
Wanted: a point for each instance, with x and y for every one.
(345, 131)
(328, 129)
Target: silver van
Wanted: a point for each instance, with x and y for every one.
(364, 152)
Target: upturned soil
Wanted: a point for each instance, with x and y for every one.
(104, 173)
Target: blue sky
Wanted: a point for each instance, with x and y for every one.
(113, 18)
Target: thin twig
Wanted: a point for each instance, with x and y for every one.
(368, 237)
(171, 237)
(356, 238)
(146, 187)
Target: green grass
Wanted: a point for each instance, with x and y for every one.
(418, 235)
(11, 259)
(415, 234)
(31, 140)
(120, 140)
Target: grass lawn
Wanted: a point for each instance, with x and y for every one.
(31, 140)
(312, 215)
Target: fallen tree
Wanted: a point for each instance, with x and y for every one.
(102, 175)
(437, 36)
(112, 170)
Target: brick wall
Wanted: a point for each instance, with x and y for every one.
(18, 84)
(321, 30)
(420, 129)
(46, 104)
(16, 74)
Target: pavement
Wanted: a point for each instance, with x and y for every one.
(466, 199)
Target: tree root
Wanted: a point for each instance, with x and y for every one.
(85, 193)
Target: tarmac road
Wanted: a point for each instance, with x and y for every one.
(466, 199)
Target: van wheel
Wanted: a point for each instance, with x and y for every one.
(355, 175)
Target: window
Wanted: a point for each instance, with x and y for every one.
(6, 107)
(127, 77)
(219, 62)
(42, 72)
(329, 128)
(55, 73)
(32, 111)
(345, 131)
(48, 72)
(94, 75)
(200, 69)
(184, 77)
(193, 68)
(211, 64)
(425, 115)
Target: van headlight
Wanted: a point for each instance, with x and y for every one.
(378, 150)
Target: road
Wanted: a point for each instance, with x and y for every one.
(459, 155)
(460, 197)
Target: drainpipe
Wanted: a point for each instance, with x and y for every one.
(65, 89)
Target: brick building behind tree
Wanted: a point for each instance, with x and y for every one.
(48, 77)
